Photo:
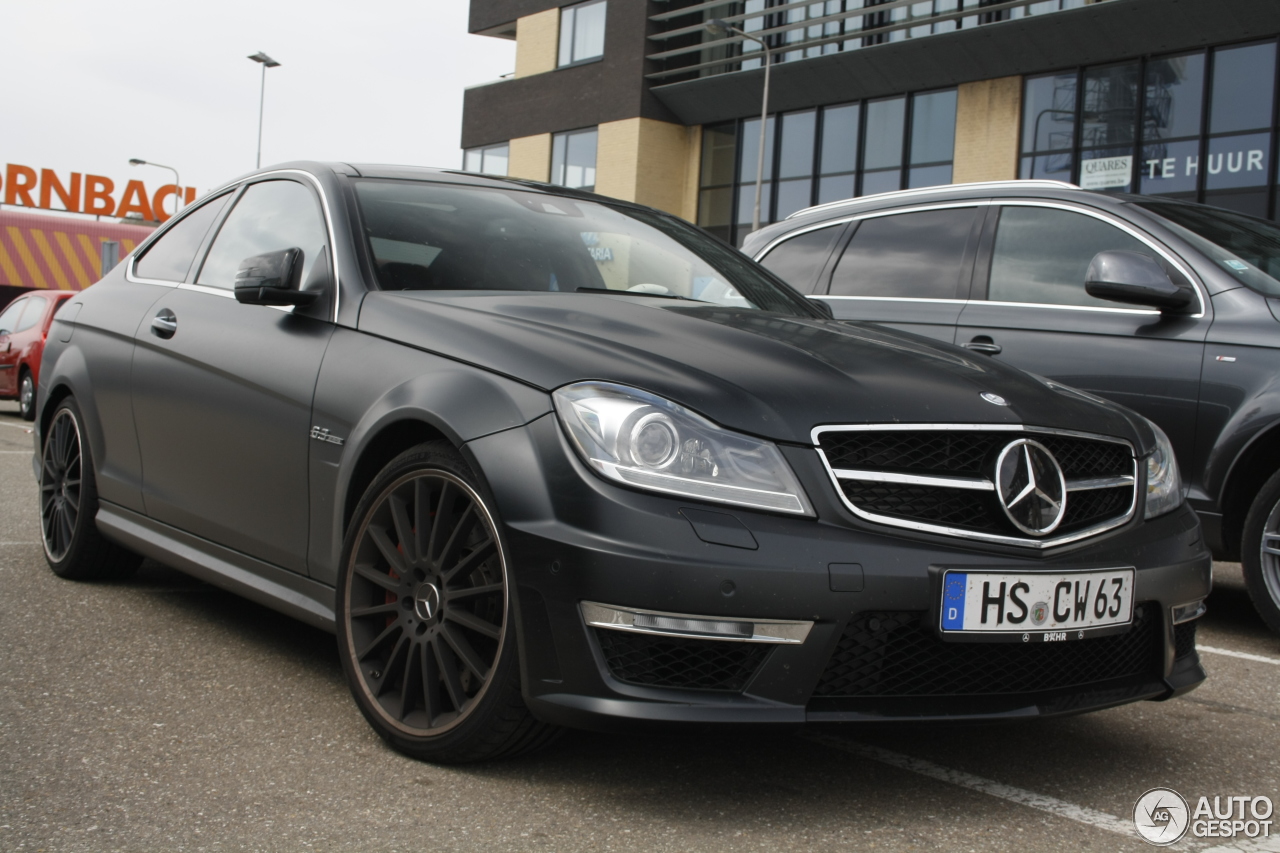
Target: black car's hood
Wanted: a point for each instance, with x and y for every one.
(765, 374)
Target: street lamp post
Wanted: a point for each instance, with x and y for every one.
(177, 181)
(267, 62)
(718, 27)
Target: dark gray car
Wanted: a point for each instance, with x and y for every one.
(1187, 334)
(542, 458)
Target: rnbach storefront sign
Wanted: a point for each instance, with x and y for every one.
(76, 192)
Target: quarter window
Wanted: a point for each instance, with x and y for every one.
(1042, 254)
(270, 216)
(170, 257)
(582, 32)
(573, 159)
(9, 319)
(799, 260)
(36, 307)
(908, 255)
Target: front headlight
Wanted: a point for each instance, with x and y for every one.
(1164, 485)
(642, 440)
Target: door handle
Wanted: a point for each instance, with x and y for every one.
(984, 344)
(164, 324)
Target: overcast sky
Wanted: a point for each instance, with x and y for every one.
(88, 85)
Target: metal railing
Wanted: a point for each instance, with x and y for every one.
(800, 29)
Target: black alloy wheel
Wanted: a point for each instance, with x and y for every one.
(73, 546)
(424, 615)
(27, 396)
(1260, 552)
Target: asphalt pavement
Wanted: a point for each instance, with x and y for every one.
(162, 714)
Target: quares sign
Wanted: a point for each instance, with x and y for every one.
(94, 194)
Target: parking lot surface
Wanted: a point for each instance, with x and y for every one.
(164, 714)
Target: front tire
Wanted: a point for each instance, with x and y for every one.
(1260, 552)
(27, 396)
(425, 630)
(73, 546)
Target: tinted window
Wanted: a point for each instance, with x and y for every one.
(170, 257)
(270, 216)
(918, 255)
(427, 236)
(36, 306)
(1242, 85)
(797, 261)
(1175, 95)
(9, 319)
(1042, 254)
(1247, 248)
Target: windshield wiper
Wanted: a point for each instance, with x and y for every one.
(638, 293)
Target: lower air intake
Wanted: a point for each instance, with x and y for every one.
(654, 661)
(894, 653)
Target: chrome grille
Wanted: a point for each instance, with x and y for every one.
(940, 478)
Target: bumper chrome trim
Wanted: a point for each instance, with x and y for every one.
(687, 626)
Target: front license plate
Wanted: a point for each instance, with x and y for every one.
(1036, 606)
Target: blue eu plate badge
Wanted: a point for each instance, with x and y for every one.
(953, 601)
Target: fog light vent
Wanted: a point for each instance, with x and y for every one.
(677, 625)
(1187, 612)
(694, 627)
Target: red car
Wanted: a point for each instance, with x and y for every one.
(24, 324)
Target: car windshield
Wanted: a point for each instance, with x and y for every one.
(432, 236)
(1247, 248)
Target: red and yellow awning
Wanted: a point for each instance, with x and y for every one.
(58, 252)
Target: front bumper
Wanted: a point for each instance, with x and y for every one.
(572, 538)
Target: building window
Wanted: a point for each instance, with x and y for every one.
(491, 160)
(582, 32)
(573, 159)
(821, 155)
(1199, 126)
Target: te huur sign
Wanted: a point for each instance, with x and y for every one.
(23, 186)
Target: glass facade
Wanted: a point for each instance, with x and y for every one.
(491, 160)
(573, 159)
(581, 33)
(1199, 125)
(820, 155)
(796, 30)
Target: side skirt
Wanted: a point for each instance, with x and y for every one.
(268, 585)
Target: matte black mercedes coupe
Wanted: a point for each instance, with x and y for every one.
(542, 458)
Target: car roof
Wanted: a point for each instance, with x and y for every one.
(427, 173)
(1058, 190)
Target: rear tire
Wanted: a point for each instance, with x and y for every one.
(1260, 552)
(73, 546)
(425, 629)
(27, 395)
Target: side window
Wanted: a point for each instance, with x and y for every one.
(170, 257)
(1041, 255)
(36, 306)
(270, 216)
(908, 255)
(9, 319)
(799, 260)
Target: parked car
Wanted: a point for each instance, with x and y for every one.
(543, 458)
(1177, 320)
(24, 325)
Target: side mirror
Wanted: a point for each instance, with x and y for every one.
(1135, 279)
(272, 279)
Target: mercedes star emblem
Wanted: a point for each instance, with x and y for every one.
(1031, 487)
(427, 601)
(994, 398)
